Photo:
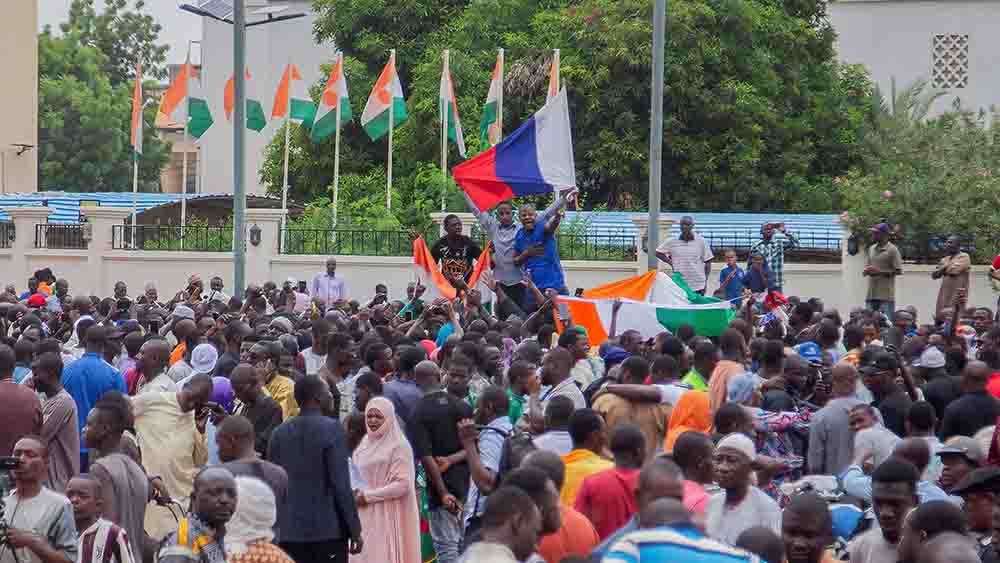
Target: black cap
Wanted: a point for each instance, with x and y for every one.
(985, 479)
(883, 361)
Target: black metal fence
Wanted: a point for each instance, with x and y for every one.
(813, 246)
(606, 247)
(195, 238)
(347, 242)
(56, 236)
(6, 234)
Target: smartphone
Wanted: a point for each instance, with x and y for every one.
(563, 311)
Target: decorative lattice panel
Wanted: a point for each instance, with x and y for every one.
(950, 61)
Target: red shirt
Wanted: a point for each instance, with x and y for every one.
(993, 385)
(607, 499)
(576, 536)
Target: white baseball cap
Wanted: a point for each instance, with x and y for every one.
(203, 358)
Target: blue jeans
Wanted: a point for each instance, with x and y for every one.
(886, 307)
(446, 532)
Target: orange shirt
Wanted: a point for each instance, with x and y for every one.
(576, 536)
(178, 353)
(580, 464)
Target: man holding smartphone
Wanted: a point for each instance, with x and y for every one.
(775, 240)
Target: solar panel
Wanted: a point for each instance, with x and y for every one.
(222, 9)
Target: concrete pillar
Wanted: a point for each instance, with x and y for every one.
(468, 219)
(24, 219)
(259, 256)
(100, 226)
(853, 285)
(642, 238)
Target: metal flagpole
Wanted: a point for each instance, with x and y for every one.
(392, 103)
(239, 149)
(500, 102)
(184, 166)
(284, 184)
(656, 133)
(336, 152)
(444, 103)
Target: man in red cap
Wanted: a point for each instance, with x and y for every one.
(883, 265)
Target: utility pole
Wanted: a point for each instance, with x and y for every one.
(656, 132)
(239, 149)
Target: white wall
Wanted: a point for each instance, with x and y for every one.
(893, 39)
(269, 48)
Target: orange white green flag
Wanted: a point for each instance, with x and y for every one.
(256, 119)
(333, 101)
(489, 123)
(449, 108)
(387, 93)
(137, 112)
(292, 100)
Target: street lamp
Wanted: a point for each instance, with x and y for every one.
(235, 14)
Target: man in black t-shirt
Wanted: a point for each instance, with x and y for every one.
(891, 400)
(437, 446)
(455, 253)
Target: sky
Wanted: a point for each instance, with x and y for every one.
(178, 27)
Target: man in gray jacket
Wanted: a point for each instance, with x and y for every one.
(831, 441)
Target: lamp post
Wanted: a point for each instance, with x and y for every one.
(656, 131)
(219, 11)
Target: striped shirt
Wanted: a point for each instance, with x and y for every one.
(773, 252)
(678, 543)
(104, 542)
(688, 257)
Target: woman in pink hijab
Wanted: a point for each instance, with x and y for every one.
(387, 501)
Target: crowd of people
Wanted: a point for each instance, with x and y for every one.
(300, 423)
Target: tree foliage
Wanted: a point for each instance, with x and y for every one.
(913, 164)
(123, 35)
(759, 115)
(85, 81)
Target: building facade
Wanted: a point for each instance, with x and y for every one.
(952, 44)
(19, 110)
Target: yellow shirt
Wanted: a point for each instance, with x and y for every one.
(282, 390)
(580, 464)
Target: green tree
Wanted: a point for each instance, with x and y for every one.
(759, 113)
(913, 164)
(123, 35)
(85, 123)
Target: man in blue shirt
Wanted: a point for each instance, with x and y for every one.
(535, 250)
(89, 378)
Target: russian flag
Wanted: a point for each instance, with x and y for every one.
(536, 158)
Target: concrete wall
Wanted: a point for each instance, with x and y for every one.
(893, 39)
(96, 269)
(269, 48)
(19, 97)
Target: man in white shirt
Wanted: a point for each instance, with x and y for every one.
(327, 286)
(689, 255)
(741, 505)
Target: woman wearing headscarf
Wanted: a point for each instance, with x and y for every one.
(251, 529)
(387, 501)
(691, 413)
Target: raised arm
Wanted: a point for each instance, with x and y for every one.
(549, 211)
(486, 221)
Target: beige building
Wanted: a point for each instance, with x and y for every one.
(19, 97)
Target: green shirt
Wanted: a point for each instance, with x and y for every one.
(695, 380)
(516, 406)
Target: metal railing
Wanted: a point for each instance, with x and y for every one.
(813, 246)
(6, 234)
(607, 247)
(194, 238)
(51, 235)
(347, 242)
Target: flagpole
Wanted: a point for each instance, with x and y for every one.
(184, 166)
(392, 104)
(444, 103)
(500, 102)
(136, 153)
(336, 164)
(555, 62)
(284, 184)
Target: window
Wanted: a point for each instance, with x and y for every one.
(950, 61)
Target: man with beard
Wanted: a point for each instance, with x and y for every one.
(806, 529)
(894, 494)
(199, 536)
(60, 426)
